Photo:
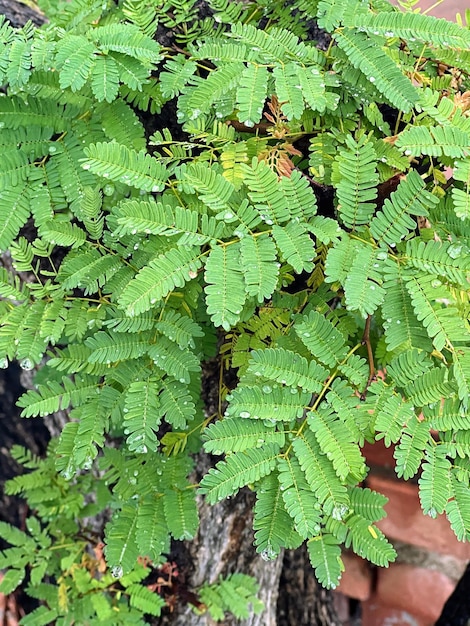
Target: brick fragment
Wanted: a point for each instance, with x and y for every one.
(356, 581)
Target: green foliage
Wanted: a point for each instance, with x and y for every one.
(295, 223)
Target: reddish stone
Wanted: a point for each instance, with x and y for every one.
(409, 588)
(378, 455)
(406, 521)
(356, 581)
(376, 614)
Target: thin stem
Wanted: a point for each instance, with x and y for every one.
(366, 342)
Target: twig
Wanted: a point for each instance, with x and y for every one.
(366, 342)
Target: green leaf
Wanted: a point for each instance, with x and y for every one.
(298, 498)
(325, 556)
(157, 279)
(287, 368)
(295, 246)
(119, 163)
(238, 470)
(251, 94)
(225, 289)
(260, 267)
(366, 55)
(322, 339)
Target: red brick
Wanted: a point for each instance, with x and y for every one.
(406, 522)
(356, 581)
(406, 587)
(376, 614)
(378, 455)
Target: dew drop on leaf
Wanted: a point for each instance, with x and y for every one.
(268, 554)
(26, 364)
(245, 414)
(117, 571)
(454, 251)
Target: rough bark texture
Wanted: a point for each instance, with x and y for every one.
(18, 13)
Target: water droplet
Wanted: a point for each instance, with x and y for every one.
(268, 554)
(26, 364)
(3, 363)
(267, 389)
(117, 571)
(454, 250)
(52, 149)
(372, 79)
(245, 414)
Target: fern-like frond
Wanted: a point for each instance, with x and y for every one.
(430, 387)
(322, 339)
(343, 399)
(145, 600)
(288, 91)
(410, 451)
(120, 536)
(229, 435)
(391, 417)
(434, 141)
(461, 373)
(181, 513)
(321, 476)
(260, 268)
(173, 360)
(274, 527)
(325, 556)
(461, 197)
(440, 257)
(225, 289)
(401, 324)
(210, 90)
(414, 26)
(369, 542)
(79, 441)
(167, 271)
(75, 58)
(288, 368)
(458, 509)
(357, 181)
(367, 503)
(179, 328)
(251, 94)
(142, 415)
(337, 444)
(87, 269)
(443, 324)
(176, 403)
(270, 403)
(14, 213)
(363, 285)
(127, 39)
(152, 534)
(299, 500)
(107, 347)
(295, 245)
(52, 396)
(238, 470)
(364, 54)
(212, 188)
(120, 163)
(393, 222)
(434, 482)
